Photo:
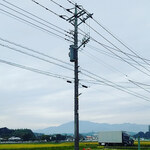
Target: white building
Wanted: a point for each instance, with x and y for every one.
(13, 138)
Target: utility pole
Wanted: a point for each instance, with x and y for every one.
(74, 58)
(76, 83)
(139, 143)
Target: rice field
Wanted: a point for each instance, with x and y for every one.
(145, 145)
(34, 146)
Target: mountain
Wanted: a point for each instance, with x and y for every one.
(87, 126)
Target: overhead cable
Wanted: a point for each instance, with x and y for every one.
(143, 84)
(110, 54)
(35, 51)
(120, 41)
(37, 26)
(120, 51)
(139, 86)
(37, 17)
(35, 70)
(123, 59)
(40, 58)
(36, 20)
(118, 87)
(61, 16)
(68, 10)
(71, 2)
(112, 48)
(96, 59)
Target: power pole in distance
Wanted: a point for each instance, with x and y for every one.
(74, 58)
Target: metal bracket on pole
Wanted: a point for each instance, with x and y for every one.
(78, 15)
(84, 41)
(87, 17)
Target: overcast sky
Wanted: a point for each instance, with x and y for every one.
(32, 100)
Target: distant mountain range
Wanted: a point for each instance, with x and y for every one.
(86, 127)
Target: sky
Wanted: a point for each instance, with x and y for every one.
(36, 101)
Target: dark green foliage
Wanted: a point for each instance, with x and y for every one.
(5, 132)
(143, 135)
(45, 137)
(52, 138)
(140, 134)
(24, 134)
(147, 135)
(58, 137)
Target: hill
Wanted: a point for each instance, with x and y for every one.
(24, 134)
(86, 127)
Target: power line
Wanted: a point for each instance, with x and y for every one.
(37, 26)
(101, 51)
(119, 50)
(120, 41)
(78, 6)
(35, 70)
(96, 59)
(109, 54)
(37, 52)
(130, 92)
(35, 20)
(17, 50)
(68, 10)
(118, 87)
(104, 47)
(37, 17)
(93, 74)
(139, 86)
(102, 83)
(45, 8)
(125, 60)
(61, 16)
(71, 2)
(127, 54)
(143, 84)
(112, 48)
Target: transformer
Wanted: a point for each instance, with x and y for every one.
(72, 53)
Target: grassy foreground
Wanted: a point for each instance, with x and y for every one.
(69, 146)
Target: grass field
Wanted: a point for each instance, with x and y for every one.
(70, 146)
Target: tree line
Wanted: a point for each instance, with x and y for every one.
(24, 134)
(28, 135)
(142, 135)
